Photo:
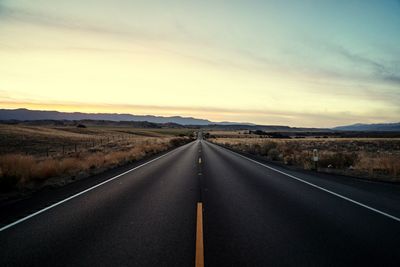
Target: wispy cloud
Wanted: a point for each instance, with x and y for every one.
(69, 23)
(379, 70)
(245, 60)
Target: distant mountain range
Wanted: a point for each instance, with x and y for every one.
(41, 115)
(377, 127)
(32, 115)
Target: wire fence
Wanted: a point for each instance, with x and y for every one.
(51, 148)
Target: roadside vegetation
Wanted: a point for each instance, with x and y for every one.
(372, 158)
(35, 156)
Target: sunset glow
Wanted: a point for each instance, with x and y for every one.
(272, 62)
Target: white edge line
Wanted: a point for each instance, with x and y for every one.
(83, 192)
(316, 186)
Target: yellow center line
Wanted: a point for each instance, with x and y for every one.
(199, 236)
(199, 160)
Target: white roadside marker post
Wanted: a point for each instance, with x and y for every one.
(315, 159)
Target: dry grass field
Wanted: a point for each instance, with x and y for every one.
(373, 158)
(35, 156)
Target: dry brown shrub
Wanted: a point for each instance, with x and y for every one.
(69, 165)
(14, 165)
(381, 164)
(45, 169)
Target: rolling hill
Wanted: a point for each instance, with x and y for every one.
(376, 127)
(34, 115)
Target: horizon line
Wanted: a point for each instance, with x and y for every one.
(179, 116)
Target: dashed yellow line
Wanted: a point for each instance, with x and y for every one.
(199, 262)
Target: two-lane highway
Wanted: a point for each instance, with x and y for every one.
(252, 215)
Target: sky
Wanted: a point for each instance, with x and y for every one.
(299, 63)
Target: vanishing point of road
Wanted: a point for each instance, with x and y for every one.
(203, 204)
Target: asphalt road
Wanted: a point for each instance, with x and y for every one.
(253, 215)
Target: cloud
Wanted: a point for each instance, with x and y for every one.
(380, 71)
(78, 24)
(186, 37)
(393, 78)
(358, 59)
(242, 59)
(300, 66)
(166, 42)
